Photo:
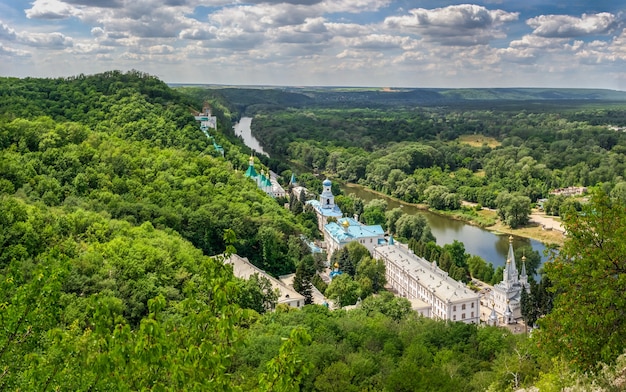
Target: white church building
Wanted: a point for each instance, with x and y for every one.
(506, 295)
(345, 230)
(325, 207)
(340, 231)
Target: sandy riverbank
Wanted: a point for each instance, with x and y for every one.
(542, 228)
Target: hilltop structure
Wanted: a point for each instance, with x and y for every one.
(413, 277)
(207, 121)
(506, 295)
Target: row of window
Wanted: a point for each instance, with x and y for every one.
(462, 316)
(462, 307)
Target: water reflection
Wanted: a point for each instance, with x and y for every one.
(242, 129)
(491, 247)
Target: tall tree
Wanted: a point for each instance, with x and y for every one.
(374, 212)
(303, 279)
(588, 323)
(343, 289)
(513, 209)
(356, 252)
(374, 270)
(257, 293)
(392, 217)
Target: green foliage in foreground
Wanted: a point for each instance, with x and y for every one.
(382, 346)
(587, 324)
(106, 221)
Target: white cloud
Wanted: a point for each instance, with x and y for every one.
(161, 49)
(89, 48)
(45, 40)
(98, 32)
(97, 3)
(598, 52)
(378, 42)
(522, 55)
(311, 31)
(348, 29)
(296, 2)
(463, 25)
(6, 32)
(537, 42)
(50, 9)
(566, 26)
(618, 46)
(10, 52)
(262, 17)
(352, 6)
(198, 33)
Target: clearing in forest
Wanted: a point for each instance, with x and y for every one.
(479, 140)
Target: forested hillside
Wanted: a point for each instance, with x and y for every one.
(115, 211)
(111, 203)
(476, 154)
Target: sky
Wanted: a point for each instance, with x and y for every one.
(376, 43)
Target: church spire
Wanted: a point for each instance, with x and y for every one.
(508, 314)
(523, 277)
(251, 172)
(523, 274)
(493, 317)
(511, 274)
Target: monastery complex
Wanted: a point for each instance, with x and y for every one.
(431, 291)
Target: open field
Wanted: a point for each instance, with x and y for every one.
(479, 140)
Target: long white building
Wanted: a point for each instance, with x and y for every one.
(414, 277)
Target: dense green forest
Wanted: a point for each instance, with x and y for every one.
(471, 145)
(116, 214)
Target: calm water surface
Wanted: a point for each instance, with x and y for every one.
(242, 129)
(491, 247)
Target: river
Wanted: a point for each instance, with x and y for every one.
(491, 247)
(478, 241)
(242, 129)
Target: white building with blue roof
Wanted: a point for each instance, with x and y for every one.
(339, 234)
(325, 207)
